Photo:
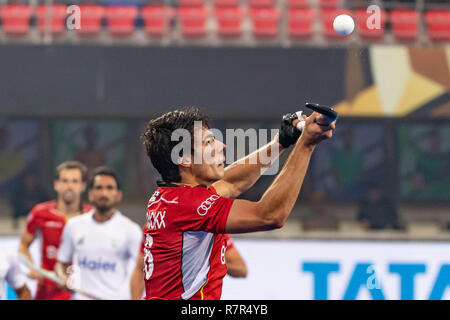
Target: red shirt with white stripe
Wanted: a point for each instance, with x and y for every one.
(184, 249)
(229, 241)
(49, 221)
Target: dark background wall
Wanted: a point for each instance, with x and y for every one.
(135, 81)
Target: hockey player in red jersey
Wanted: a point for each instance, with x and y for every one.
(195, 205)
(46, 221)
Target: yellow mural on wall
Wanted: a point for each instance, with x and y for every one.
(404, 80)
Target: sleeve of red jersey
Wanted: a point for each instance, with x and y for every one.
(203, 210)
(229, 240)
(32, 222)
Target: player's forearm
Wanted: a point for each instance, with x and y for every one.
(243, 173)
(237, 270)
(236, 266)
(23, 249)
(26, 240)
(137, 285)
(61, 270)
(279, 199)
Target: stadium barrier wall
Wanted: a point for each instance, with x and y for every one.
(335, 270)
(342, 270)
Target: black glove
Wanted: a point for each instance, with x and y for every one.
(288, 133)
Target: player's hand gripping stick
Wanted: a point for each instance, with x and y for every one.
(327, 117)
(292, 124)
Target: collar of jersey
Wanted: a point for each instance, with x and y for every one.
(169, 184)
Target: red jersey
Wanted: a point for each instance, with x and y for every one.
(229, 242)
(184, 249)
(49, 221)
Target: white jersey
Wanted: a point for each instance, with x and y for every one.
(10, 272)
(101, 253)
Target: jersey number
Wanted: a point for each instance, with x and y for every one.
(148, 258)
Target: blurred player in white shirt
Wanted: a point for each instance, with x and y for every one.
(101, 243)
(11, 274)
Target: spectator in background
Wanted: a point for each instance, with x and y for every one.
(91, 155)
(12, 162)
(376, 211)
(432, 177)
(26, 196)
(347, 162)
(318, 217)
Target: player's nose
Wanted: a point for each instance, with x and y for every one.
(221, 146)
(103, 192)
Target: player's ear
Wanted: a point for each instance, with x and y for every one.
(83, 187)
(185, 161)
(90, 196)
(119, 195)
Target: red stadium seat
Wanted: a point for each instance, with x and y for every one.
(157, 19)
(329, 4)
(261, 3)
(404, 24)
(91, 19)
(53, 17)
(226, 3)
(16, 19)
(327, 17)
(363, 23)
(265, 22)
(298, 3)
(438, 25)
(300, 21)
(229, 21)
(121, 20)
(193, 21)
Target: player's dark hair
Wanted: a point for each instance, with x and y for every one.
(72, 164)
(158, 143)
(104, 171)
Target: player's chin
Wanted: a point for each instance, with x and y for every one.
(103, 208)
(219, 171)
(69, 198)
